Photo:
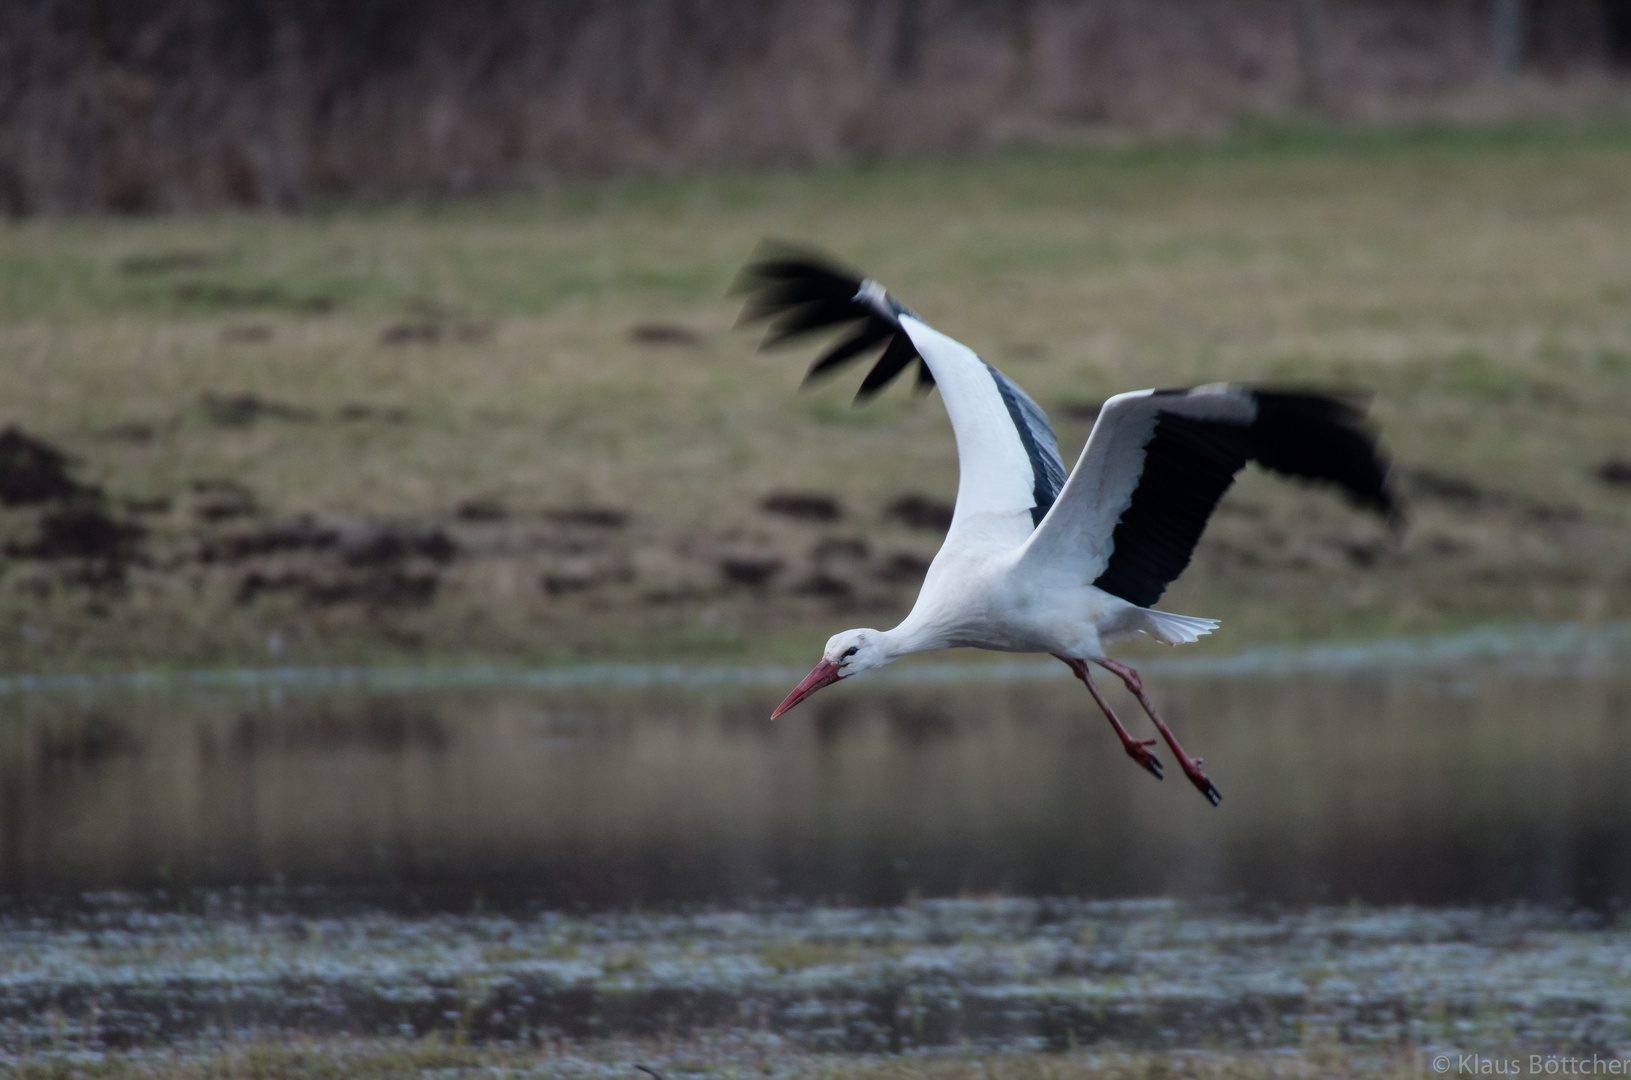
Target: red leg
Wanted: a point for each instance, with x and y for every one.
(1191, 766)
(1136, 749)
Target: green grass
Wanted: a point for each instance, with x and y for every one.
(1476, 281)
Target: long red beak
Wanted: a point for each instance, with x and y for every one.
(825, 674)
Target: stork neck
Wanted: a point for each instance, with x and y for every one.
(911, 636)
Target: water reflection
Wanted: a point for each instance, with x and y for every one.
(1436, 789)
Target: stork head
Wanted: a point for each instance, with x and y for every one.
(849, 653)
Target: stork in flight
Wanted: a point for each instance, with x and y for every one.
(1036, 561)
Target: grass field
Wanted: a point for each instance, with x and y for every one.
(522, 426)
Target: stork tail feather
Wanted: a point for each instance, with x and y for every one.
(1170, 629)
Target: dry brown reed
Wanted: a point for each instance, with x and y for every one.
(185, 104)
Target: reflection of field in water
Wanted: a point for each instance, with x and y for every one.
(1435, 788)
(518, 867)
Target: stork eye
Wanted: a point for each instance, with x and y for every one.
(851, 651)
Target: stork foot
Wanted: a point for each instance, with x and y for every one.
(1139, 751)
(1202, 782)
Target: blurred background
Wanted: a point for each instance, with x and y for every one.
(400, 551)
(159, 105)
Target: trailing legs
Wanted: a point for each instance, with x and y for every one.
(1191, 766)
(1138, 749)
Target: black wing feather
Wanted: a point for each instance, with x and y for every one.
(809, 318)
(1189, 464)
(805, 292)
(772, 296)
(870, 336)
(1322, 438)
(901, 352)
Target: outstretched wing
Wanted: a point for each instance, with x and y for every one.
(1008, 459)
(1158, 462)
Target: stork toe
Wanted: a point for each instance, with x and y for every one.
(1141, 753)
(1202, 782)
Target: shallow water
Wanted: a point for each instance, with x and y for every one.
(1453, 783)
(1005, 973)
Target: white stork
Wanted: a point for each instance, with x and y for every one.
(1035, 561)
